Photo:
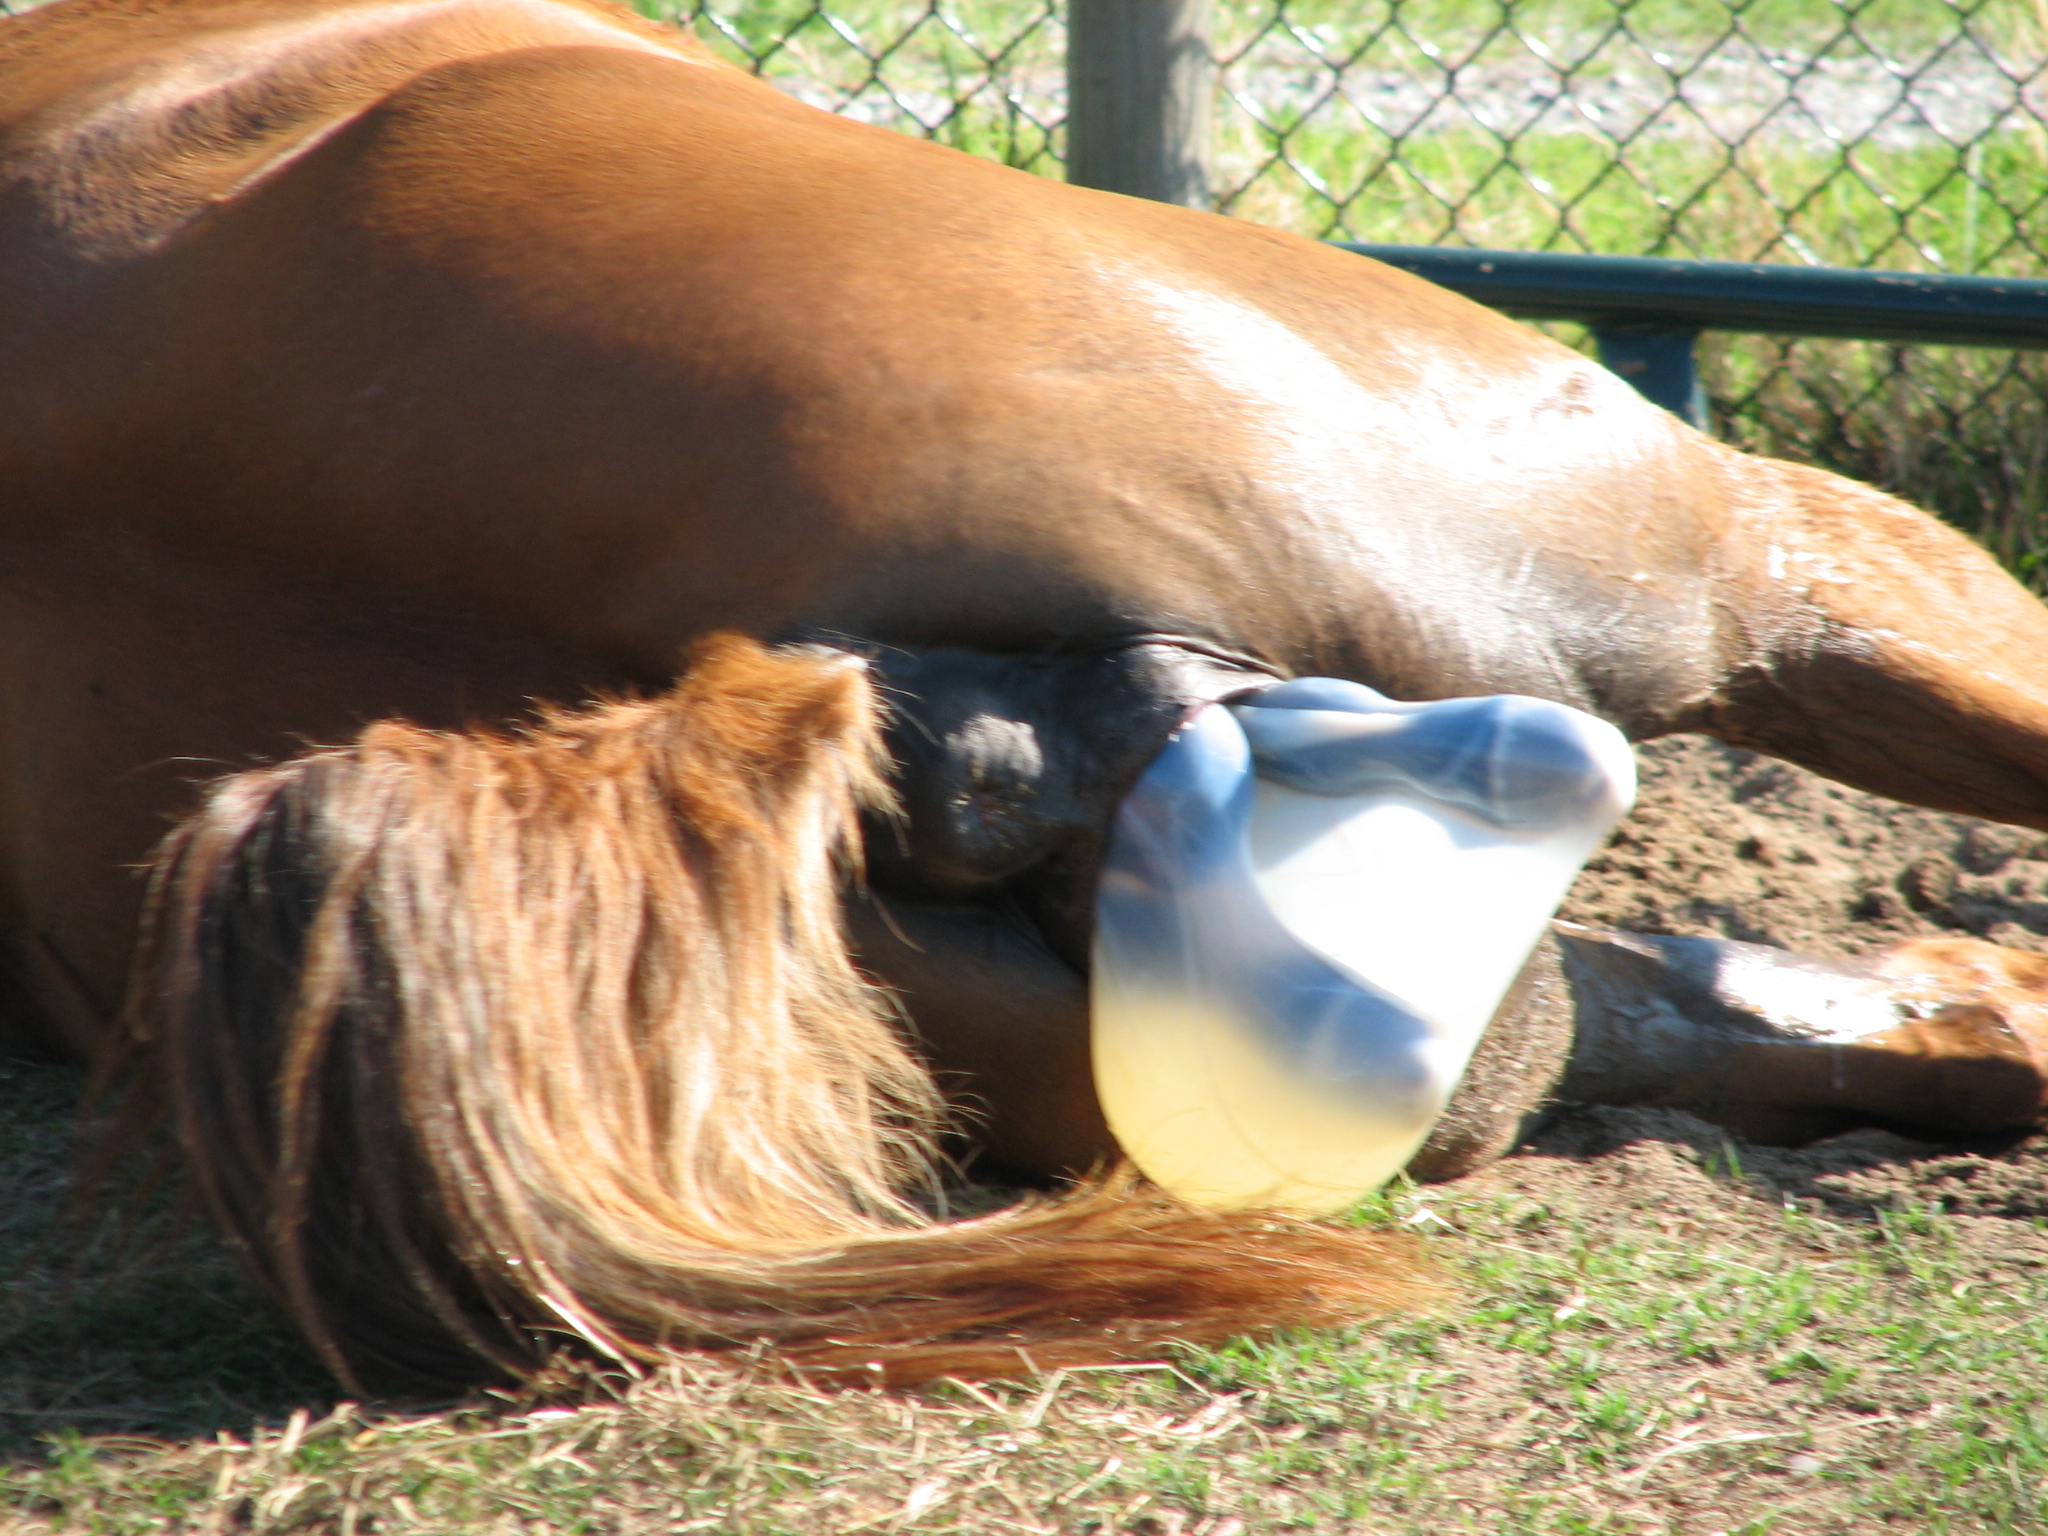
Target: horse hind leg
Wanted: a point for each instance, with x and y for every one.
(1938, 1037)
(1871, 643)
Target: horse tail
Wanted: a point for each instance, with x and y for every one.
(474, 1041)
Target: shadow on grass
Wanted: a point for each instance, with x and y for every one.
(117, 1324)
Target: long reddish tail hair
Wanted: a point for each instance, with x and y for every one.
(475, 1042)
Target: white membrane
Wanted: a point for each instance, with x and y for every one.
(1311, 908)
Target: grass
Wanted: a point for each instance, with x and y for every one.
(1652, 1340)
(147, 1331)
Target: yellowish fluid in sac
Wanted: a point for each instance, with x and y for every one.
(1289, 982)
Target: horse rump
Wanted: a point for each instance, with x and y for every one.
(478, 1043)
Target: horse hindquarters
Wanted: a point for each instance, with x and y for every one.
(472, 1040)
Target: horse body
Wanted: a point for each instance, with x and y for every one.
(618, 343)
(427, 357)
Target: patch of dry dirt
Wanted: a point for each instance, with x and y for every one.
(1730, 844)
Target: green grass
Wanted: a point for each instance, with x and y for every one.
(1646, 1341)
(1984, 211)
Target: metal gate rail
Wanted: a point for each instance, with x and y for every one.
(1646, 311)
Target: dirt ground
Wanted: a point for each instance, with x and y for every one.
(1731, 844)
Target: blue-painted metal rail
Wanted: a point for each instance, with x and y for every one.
(1646, 311)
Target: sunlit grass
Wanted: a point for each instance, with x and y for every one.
(1705, 1358)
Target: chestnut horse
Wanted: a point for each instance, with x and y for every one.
(425, 358)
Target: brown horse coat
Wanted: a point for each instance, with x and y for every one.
(423, 357)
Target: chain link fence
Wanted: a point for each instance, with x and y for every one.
(1866, 133)
(1873, 133)
(986, 76)
(1869, 133)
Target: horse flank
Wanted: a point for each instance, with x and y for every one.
(475, 1041)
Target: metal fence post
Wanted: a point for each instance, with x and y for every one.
(1141, 88)
(1660, 365)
